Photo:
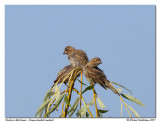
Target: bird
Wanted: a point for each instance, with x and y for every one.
(64, 72)
(95, 75)
(77, 58)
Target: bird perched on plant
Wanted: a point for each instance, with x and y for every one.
(63, 73)
(77, 58)
(96, 75)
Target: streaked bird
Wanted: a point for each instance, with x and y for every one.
(77, 58)
(96, 75)
(64, 72)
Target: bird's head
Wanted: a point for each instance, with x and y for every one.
(68, 50)
(94, 62)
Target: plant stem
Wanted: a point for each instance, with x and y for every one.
(121, 108)
(76, 69)
(73, 79)
(66, 93)
(69, 98)
(83, 100)
(62, 109)
(125, 106)
(94, 94)
(81, 89)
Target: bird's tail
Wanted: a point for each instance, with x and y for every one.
(109, 85)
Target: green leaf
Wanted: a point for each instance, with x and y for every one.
(77, 101)
(102, 111)
(91, 101)
(88, 88)
(133, 111)
(57, 95)
(131, 98)
(121, 86)
(57, 92)
(100, 103)
(74, 107)
(83, 113)
(42, 107)
(83, 110)
(66, 100)
(119, 90)
(100, 115)
(40, 113)
(78, 114)
(73, 110)
(82, 82)
(87, 114)
(56, 104)
(51, 93)
(121, 108)
(46, 96)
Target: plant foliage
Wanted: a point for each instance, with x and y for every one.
(54, 98)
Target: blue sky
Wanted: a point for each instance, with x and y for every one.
(35, 37)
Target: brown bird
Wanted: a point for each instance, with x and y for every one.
(96, 75)
(64, 72)
(77, 58)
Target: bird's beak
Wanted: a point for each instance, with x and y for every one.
(64, 52)
(100, 62)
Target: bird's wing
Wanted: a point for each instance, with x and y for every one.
(97, 75)
(82, 56)
(64, 71)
